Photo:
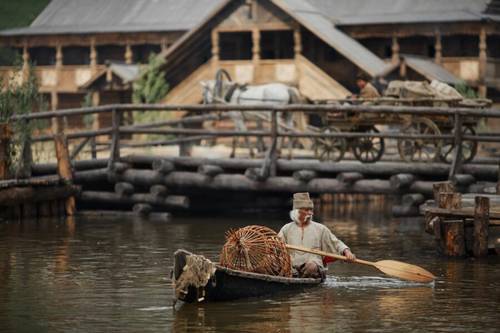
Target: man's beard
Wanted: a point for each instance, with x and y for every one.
(295, 216)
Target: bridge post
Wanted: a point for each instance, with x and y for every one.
(274, 137)
(269, 164)
(457, 142)
(115, 139)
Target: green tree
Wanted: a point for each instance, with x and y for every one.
(151, 86)
(19, 95)
(466, 91)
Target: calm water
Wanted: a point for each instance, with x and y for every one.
(113, 276)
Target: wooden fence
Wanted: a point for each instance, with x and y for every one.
(215, 112)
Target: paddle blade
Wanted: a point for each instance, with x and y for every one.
(404, 271)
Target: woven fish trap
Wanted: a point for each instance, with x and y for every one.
(256, 249)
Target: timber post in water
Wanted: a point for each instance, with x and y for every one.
(5, 137)
(481, 222)
(64, 168)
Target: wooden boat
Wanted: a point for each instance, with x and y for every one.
(223, 284)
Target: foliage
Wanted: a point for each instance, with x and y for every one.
(19, 95)
(150, 88)
(13, 14)
(465, 90)
(20, 13)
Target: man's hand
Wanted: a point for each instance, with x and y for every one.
(349, 255)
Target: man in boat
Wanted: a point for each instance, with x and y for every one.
(303, 231)
(366, 89)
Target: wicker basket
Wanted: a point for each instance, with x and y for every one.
(256, 249)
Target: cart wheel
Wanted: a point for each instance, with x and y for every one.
(469, 148)
(420, 150)
(328, 148)
(368, 149)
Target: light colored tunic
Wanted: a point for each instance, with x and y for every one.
(314, 236)
(369, 91)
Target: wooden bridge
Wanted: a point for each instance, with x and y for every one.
(149, 183)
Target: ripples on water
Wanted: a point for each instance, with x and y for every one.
(113, 276)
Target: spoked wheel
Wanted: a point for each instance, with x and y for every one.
(368, 149)
(420, 150)
(469, 148)
(329, 148)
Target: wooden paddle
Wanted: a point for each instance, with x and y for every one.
(392, 268)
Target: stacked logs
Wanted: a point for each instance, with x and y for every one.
(141, 190)
(137, 177)
(37, 197)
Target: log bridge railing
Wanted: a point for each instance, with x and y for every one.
(146, 182)
(268, 167)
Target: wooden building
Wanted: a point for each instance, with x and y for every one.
(317, 45)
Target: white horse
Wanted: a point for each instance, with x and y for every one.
(226, 92)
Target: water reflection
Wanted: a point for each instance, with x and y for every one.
(321, 309)
(116, 272)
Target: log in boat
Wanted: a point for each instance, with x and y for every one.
(197, 279)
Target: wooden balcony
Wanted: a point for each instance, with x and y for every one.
(467, 68)
(66, 79)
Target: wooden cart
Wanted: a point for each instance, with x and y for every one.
(370, 149)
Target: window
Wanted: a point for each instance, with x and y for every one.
(277, 44)
(142, 52)
(43, 56)
(110, 53)
(76, 55)
(235, 45)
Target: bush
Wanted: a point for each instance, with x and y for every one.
(19, 95)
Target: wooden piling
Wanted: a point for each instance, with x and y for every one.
(64, 168)
(115, 139)
(481, 222)
(454, 235)
(498, 179)
(450, 234)
(5, 135)
(439, 187)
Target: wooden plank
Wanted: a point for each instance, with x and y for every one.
(34, 181)
(463, 213)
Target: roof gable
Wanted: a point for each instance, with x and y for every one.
(310, 18)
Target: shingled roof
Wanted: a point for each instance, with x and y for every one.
(360, 12)
(314, 20)
(95, 16)
(98, 16)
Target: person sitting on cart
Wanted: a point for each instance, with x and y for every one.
(303, 231)
(366, 89)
